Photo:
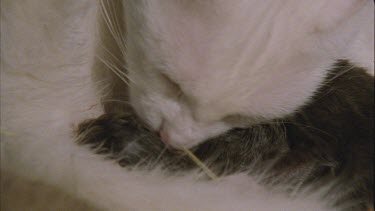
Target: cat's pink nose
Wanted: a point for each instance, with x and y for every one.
(164, 137)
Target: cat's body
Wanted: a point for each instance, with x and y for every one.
(326, 145)
(48, 58)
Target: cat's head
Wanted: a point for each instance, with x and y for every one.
(199, 68)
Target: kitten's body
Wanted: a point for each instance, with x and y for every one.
(47, 56)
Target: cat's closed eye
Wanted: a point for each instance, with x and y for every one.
(174, 89)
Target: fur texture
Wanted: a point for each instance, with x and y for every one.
(48, 63)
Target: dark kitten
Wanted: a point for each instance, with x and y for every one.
(328, 141)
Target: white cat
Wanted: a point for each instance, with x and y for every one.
(258, 59)
(215, 52)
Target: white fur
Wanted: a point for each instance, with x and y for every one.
(47, 53)
(258, 59)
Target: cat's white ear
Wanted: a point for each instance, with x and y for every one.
(334, 12)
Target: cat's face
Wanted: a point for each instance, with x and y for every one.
(195, 67)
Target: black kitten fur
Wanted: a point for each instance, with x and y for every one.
(329, 139)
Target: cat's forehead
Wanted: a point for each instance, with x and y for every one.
(185, 23)
(192, 36)
(182, 15)
(195, 37)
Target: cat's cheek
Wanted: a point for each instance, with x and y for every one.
(145, 110)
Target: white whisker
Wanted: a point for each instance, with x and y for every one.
(118, 24)
(115, 70)
(341, 73)
(111, 54)
(114, 31)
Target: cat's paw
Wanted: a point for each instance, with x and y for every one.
(120, 137)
